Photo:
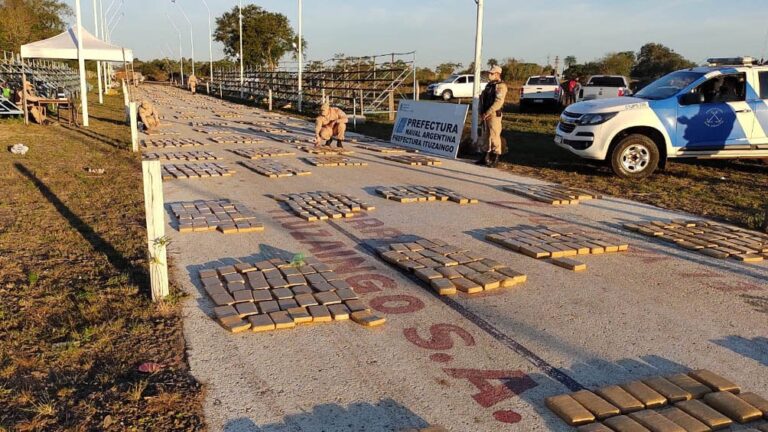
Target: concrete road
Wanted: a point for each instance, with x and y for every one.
(480, 363)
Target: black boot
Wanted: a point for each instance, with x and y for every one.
(339, 143)
(494, 160)
(329, 143)
(483, 160)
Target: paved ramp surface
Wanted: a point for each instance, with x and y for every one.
(468, 363)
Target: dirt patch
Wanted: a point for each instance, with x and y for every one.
(75, 320)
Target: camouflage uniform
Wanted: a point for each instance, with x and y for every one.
(330, 124)
(148, 115)
(491, 103)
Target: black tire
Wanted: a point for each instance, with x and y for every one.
(635, 157)
(447, 95)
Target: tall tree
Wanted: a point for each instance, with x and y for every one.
(570, 61)
(25, 21)
(655, 60)
(267, 36)
(445, 69)
(620, 63)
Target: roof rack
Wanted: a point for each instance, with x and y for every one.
(732, 61)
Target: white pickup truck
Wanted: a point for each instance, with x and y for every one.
(716, 112)
(541, 91)
(455, 86)
(604, 87)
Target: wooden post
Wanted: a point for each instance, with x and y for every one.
(391, 106)
(417, 96)
(208, 88)
(156, 240)
(362, 103)
(269, 99)
(354, 113)
(134, 127)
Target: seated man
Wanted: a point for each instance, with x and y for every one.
(31, 98)
(330, 124)
(149, 116)
(192, 83)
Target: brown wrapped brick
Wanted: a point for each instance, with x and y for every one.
(714, 381)
(665, 388)
(733, 406)
(705, 414)
(620, 398)
(648, 396)
(682, 418)
(595, 404)
(569, 410)
(656, 422)
(623, 423)
(756, 401)
(695, 388)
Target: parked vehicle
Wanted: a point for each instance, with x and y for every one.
(714, 112)
(541, 91)
(604, 87)
(455, 86)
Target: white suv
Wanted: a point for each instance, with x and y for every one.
(455, 86)
(718, 111)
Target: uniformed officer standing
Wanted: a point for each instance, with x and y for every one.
(192, 83)
(330, 124)
(491, 103)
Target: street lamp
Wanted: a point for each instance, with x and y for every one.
(240, 13)
(478, 60)
(81, 65)
(301, 62)
(210, 39)
(191, 36)
(181, 58)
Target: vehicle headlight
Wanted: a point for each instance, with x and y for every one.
(595, 119)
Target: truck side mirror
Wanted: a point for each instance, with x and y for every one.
(692, 99)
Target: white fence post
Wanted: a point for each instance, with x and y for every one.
(156, 240)
(134, 127)
(269, 97)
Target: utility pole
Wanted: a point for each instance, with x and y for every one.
(478, 61)
(210, 39)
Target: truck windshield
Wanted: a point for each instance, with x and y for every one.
(542, 81)
(668, 85)
(450, 79)
(606, 81)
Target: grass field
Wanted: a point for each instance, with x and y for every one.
(732, 191)
(74, 322)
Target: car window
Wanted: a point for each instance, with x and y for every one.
(724, 88)
(461, 80)
(763, 85)
(470, 79)
(668, 85)
(542, 81)
(606, 82)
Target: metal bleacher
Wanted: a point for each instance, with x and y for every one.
(50, 79)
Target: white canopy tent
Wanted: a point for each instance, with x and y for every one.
(67, 46)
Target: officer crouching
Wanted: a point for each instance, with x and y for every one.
(491, 104)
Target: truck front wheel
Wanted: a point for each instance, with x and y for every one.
(635, 156)
(447, 95)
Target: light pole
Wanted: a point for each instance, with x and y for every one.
(301, 62)
(181, 57)
(478, 60)
(191, 36)
(242, 80)
(210, 39)
(98, 63)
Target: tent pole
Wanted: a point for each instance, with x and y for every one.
(24, 91)
(81, 65)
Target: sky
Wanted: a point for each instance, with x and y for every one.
(444, 30)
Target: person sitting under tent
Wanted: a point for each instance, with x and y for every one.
(149, 116)
(192, 83)
(330, 124)
(29, 95)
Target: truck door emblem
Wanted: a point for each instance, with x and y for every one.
(714, 118)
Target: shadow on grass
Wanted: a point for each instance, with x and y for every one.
(89, 133)
(135, 274)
